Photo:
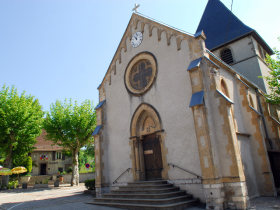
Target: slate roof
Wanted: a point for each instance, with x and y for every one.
(197, 98)
(194, 64)
(215, 24)
(100, 104)
(96, 130)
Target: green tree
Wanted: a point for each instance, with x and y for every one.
(87, 154)
(89, 150)
(71, 126)
(25, 161)
(274, 78)
(21, 118)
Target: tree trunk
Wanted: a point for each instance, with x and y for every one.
(75, 167)
(7, 164)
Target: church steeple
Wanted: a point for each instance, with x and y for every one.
(221, 26)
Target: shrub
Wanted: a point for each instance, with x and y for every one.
(46, 181)
(64, 172)
(29, 164)
(12, 184)
(25, 162)
(69, 170)
(90, 184)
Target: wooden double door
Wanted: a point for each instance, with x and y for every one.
(152, 157)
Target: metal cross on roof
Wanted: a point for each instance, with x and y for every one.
(135, 8)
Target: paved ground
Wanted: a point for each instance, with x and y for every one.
(71, 198)
(66, 197)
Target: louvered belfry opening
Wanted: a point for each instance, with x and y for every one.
(227, 56)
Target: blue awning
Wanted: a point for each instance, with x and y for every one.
(194, 64)
(197, 98)
(100, 104)
(96, 130)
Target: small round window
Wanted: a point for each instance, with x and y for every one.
(140, 73)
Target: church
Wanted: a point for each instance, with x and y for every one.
(183, 114)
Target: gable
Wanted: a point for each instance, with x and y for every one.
(196, 42)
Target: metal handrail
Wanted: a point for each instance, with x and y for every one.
(184, 170)
(121, 175)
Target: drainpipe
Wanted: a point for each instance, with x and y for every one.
(264, 124)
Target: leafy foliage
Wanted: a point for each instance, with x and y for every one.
(69, 170)
(12, 184)
(46, 181)
(89, 150)
(90, 184)
(25, 161)
(85, 157)
(29, 164)
(274, 79)
(70, 125)
(20, 123)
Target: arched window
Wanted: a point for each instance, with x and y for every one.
(224, 88)
(251, 101)
(226, 56)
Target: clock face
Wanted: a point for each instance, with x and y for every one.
(136, 39)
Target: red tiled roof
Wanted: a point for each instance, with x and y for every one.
(43, 145)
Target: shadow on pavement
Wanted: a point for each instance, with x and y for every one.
(49, 202)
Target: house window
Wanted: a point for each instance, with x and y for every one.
(58, 155)
(226, 56)
(260, 51)
(60, 169)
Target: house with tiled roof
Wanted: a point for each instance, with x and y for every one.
(49, 158)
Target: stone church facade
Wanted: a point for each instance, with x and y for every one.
(173, 108)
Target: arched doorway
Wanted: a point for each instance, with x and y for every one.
(146, 134)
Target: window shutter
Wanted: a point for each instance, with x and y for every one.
(63, 156)
(53, 156)
(227, 56)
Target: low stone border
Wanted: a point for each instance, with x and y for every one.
(40, 186)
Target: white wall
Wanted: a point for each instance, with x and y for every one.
(51, 165)
(170, 95)
(82, 177)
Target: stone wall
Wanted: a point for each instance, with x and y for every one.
(82, 177)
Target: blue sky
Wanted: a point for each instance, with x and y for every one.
(57, 49)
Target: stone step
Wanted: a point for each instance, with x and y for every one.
(140, 187)
(146, 196)
(145, 201)
(174, 206)
(146, 191)
(148, 182)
